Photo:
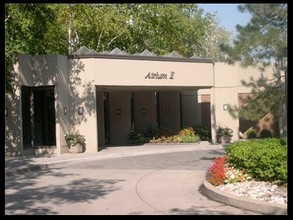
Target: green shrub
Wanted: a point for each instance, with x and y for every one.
(263, 159)
(189, 139)
(224, 131)
(158, 132)
(189, 131)
(251, 133)
(203, 132)
(265, 133)
(137, 138)
(186, 135)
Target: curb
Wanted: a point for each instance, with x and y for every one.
(243, 203)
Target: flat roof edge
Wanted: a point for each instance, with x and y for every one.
(150, 58)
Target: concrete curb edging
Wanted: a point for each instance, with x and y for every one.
(243, 203)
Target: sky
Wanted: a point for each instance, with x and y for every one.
(228, 15)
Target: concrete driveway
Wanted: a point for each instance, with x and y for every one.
(144, 180)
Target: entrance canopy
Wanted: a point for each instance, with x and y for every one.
(118, 70)
(141, 87)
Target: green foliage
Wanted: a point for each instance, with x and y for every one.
(224, 131)
(74, 138)
(63, 28)
(251, 133)
(186, 135)
(203, 132)
(262, 38)
(265, 133)
(215, 37)
(261, 41)
(189, 131)
(137, 138)
(25, 28)
(221, 172)
(266, 96)
(263, 159)
(156, 132)
(163, 135)
(234, 175)
(189, 139)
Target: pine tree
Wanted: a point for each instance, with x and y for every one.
(260, 43)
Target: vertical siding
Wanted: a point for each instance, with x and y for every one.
(206, 111)
(190, 108)
(226, 95)
(146, 100)
(170, 120)
(120, 125)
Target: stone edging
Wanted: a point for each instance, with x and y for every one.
(243, 203)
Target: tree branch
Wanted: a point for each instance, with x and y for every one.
(7, 18)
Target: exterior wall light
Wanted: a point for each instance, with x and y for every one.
(65, 110)
(225, 107)
(118, 111)
(143, 111)
(80, 110)
(167, 110)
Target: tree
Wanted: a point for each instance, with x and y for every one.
(261, 41)
(215, 37)
(63, 28)
(263, 38)
(25, 24)
(160, 28)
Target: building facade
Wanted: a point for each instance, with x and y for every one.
(106, 95)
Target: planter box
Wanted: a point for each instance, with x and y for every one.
(78, 148)
(225, 139)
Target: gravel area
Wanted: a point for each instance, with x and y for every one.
(263, 191)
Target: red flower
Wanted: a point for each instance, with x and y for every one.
(216, 173)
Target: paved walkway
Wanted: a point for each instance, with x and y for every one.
(21, 165)
(18, 165)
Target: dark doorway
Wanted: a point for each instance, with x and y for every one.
(106, 118)
(206, 111)
(38, 116)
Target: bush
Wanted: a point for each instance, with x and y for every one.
(203, 132)
(74, 138)
(189, 131)
(224, 132)
(263, 159)
(265, 133)
(251, 133)
(189, 139)
(137, 138)
(186, 135)
(163, 135)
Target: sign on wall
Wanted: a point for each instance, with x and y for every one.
(157, 75)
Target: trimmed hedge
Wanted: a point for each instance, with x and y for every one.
(263, 159)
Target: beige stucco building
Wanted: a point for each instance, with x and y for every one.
(106, 95)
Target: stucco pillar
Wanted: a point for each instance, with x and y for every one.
(213, 111)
